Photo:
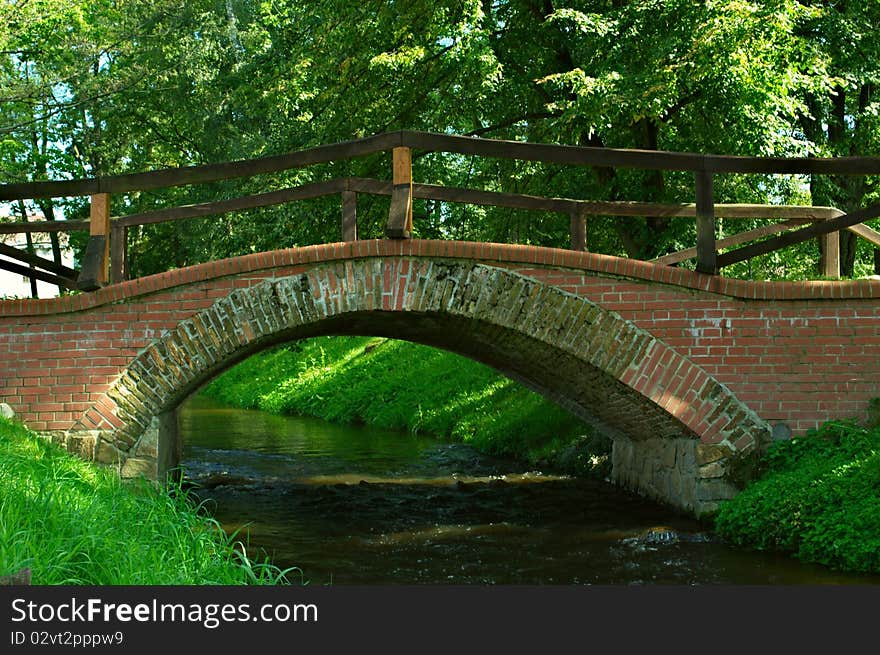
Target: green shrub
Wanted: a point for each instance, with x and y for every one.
(818, 498)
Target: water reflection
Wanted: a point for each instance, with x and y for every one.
(351, 505)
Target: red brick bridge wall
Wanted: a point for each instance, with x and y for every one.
(795, 353)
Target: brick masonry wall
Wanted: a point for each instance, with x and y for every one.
(798, 353)
(799, 359)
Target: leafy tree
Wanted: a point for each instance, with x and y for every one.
(841, 119)
(112, 87)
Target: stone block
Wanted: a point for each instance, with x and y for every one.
(713, 470)
(148, 445)
(668, 455)
(83, 443)
(715, 489)
(707, 453)
(135, 467)
(688, 493)
(107, 453)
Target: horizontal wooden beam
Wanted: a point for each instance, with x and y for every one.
(35, 260)
(798, 236)
(644, 159)
(43, 227)
(782, 212)
(37, 274)
(174, 177)
(496, 198)
(304, 192)
(518, 150)
(594, 207)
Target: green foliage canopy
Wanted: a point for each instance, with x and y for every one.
(91, 87)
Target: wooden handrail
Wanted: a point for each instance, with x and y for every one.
(109, 236)
(304, 192)
(174, 177)
(429, 141)
(641, 159)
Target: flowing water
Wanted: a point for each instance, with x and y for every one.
(356, 505)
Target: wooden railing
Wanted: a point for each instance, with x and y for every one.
(105, 257)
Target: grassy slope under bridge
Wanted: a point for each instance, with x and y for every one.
(406, 386)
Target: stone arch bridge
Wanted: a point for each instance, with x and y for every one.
(689, 374)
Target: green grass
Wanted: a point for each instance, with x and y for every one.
(818, 498)
(74, 523)
(406, 386)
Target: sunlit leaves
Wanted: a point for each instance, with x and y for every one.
(135, 85)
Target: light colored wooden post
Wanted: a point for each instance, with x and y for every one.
(578, 229)
(400, 214)
(831, 255)
(96, 260)
(99, 226)
(349, 216)
(707, 253)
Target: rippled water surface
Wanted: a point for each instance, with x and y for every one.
(354, 505)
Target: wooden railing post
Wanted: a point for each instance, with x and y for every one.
(400, 214)
(578, 228)
(99, 225)
(349, 216)
(707, 254)
(118, 253)
(831, 255)
(96, 261)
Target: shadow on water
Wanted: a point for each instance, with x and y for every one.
(354, 505)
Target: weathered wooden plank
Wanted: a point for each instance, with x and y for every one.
(172, 177)
(41, 262)
(303, 192)
(644, 159)
(866, 233)
(831, 255)
(798, 236)
(400, 212)
(37, 274)
(707, 251)
(43, 227)
(349, 216)
(732, 240)
(548, 153)
(93, 259)
(99, 226)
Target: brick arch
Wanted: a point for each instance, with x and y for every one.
(664, 412)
